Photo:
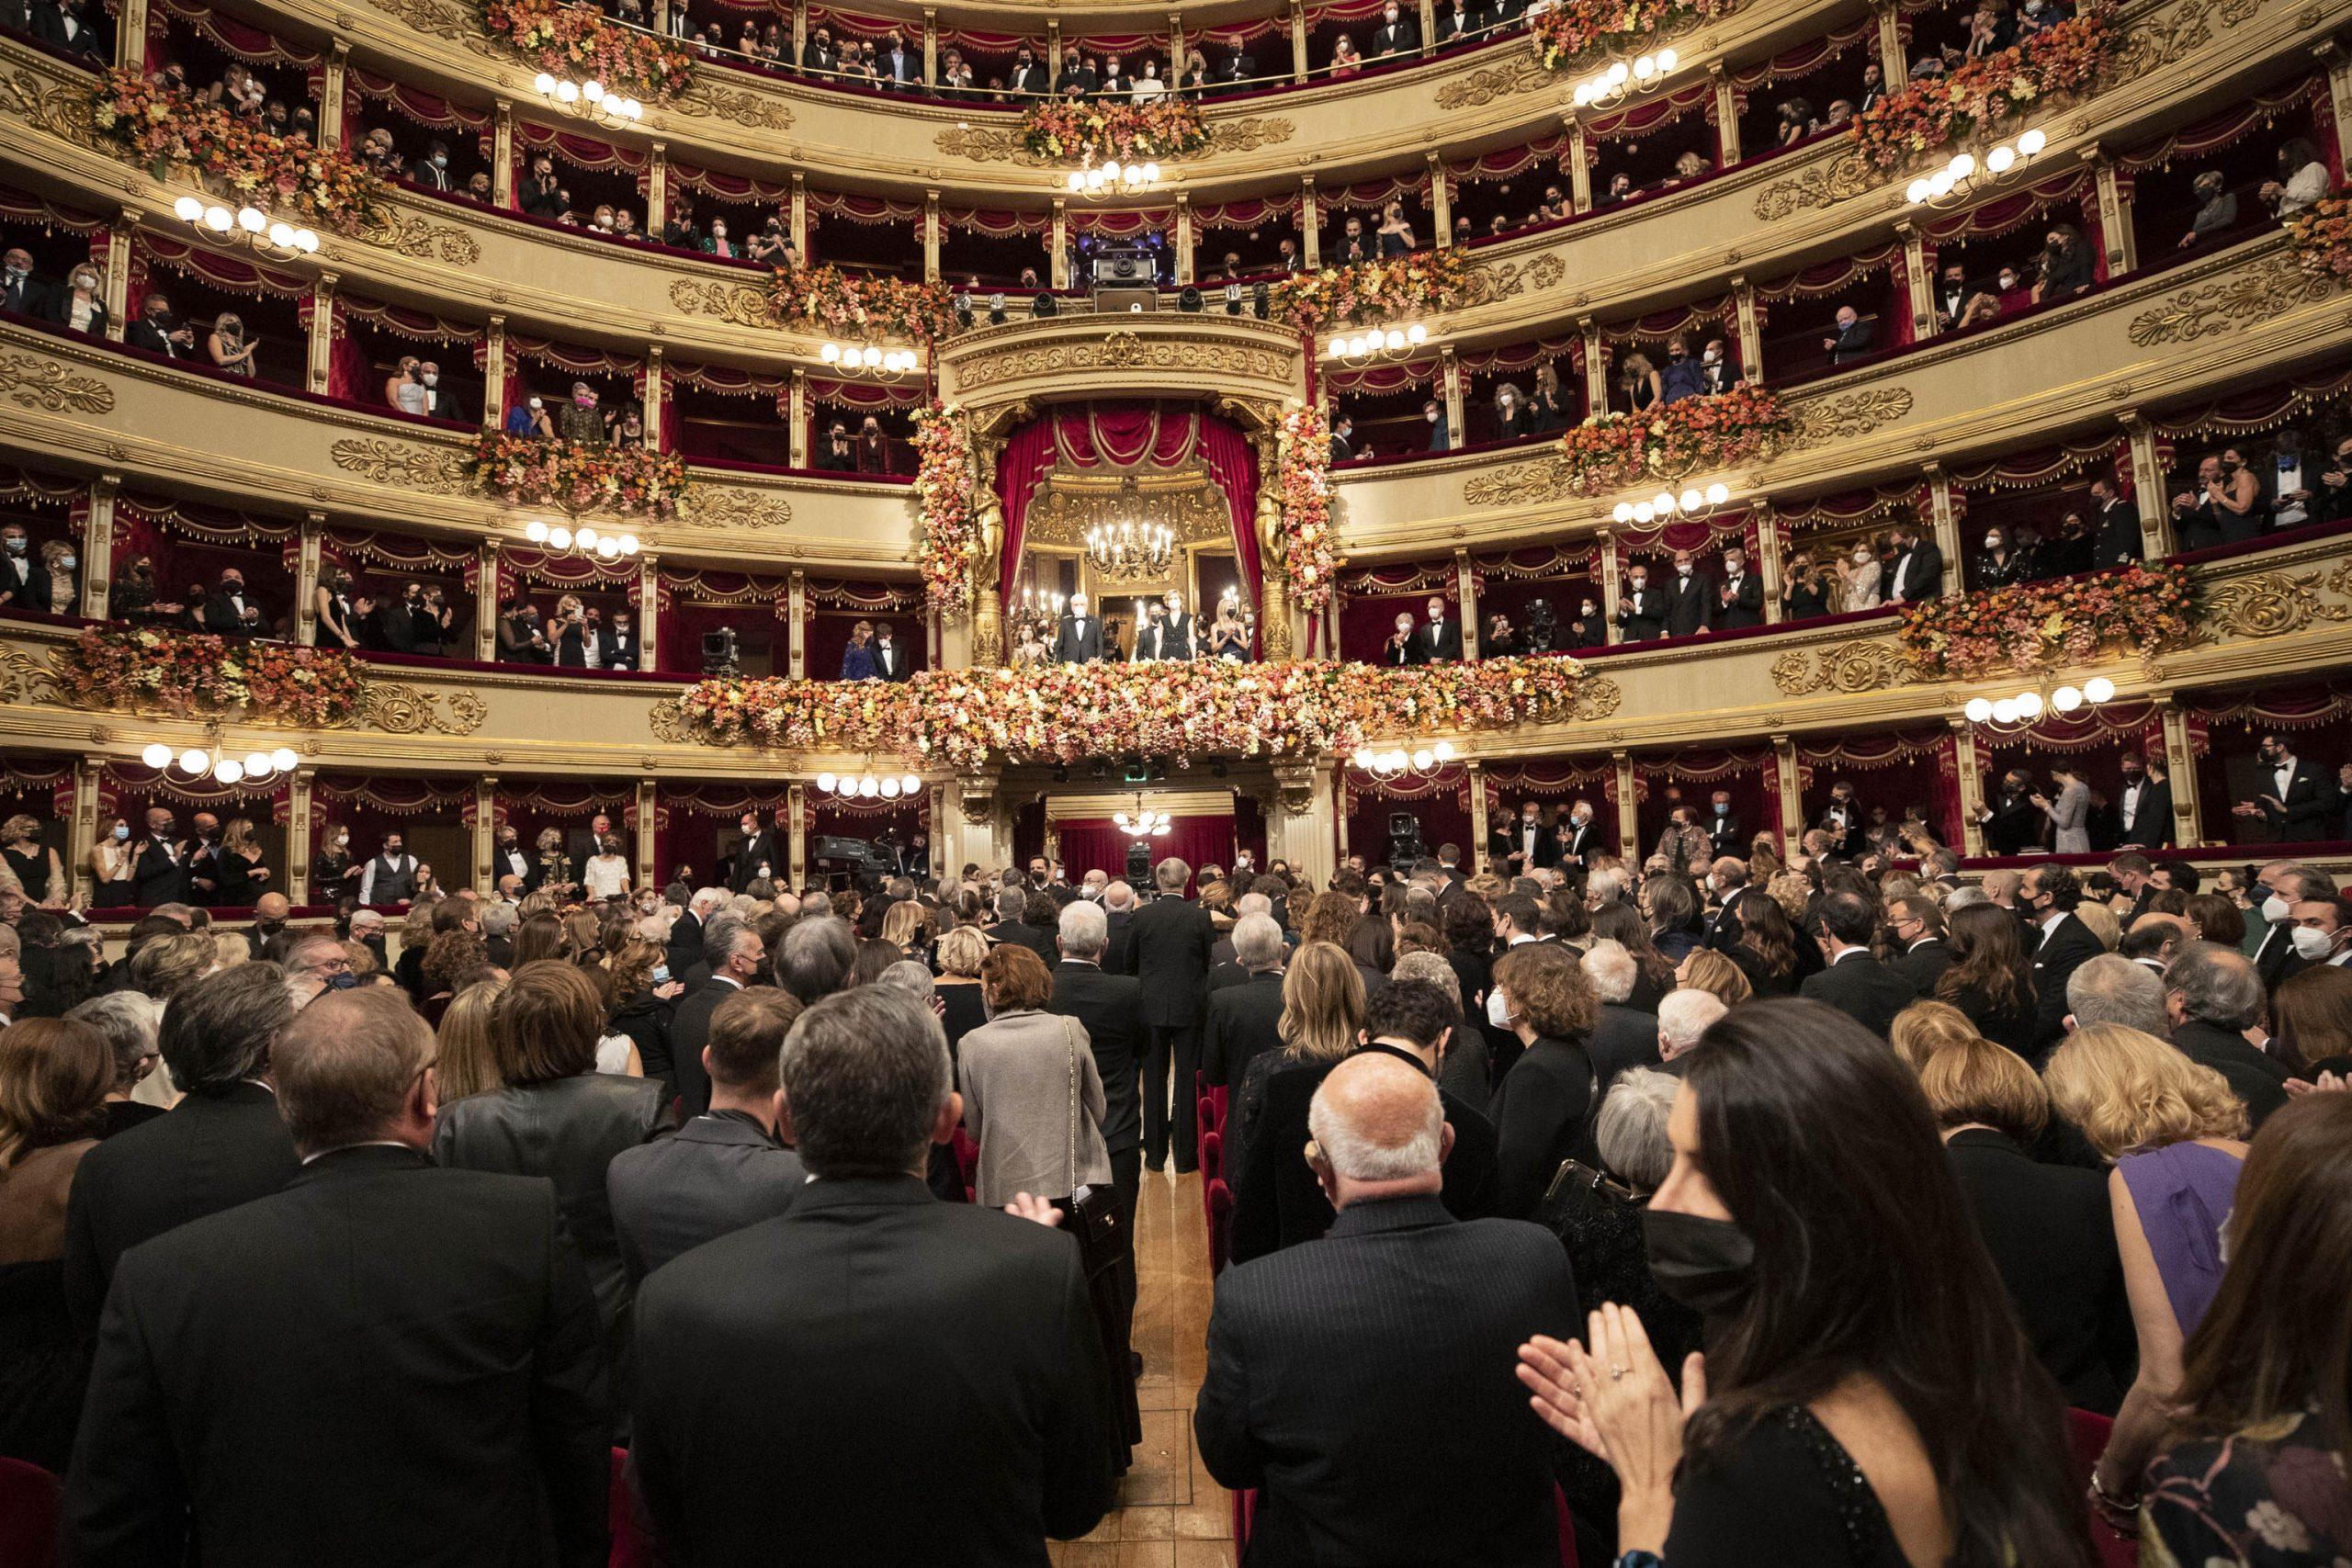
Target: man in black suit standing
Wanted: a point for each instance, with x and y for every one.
(2048, 895)
(1009, 926)
(1029, 79)
(1243, 1018)
(1526, 845)
(1687, 610)
(1923, 956)
(1641, 610)
(1440, 640)
(1919, 567)
(24, 581)
(2118, 543)
(2212, 996)
(233, 612)
(1577, 837)
(159, 865)
(1169, 942)
(684, 950)
(760, 847)
(1853, 338)
(224, 1144)
(899, 66)
(2144, 805)
(1079, 639)
(1843, 822)
(2012, 822)
(734, 952)
(1234, 71)
(1432, 1460)
(889, 659)
(377, 1328)
(776, 1362)
(1118, 912)
(2299, 802)
(1110, 1009)
(20, 291)
(1740, 597)
(1725, 836)
(1394, 36)
(1855, 983)
(1727, 881)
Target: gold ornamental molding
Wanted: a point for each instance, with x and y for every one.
(1846, 416)
(398, 709)
(2273, 603)
(1501, 280)
(34, 383)
(734, 303)
(25, 679)
(425, 468)
(667, 721)
(1121, 351)
(990, 144)
(1597, 697)
(436, 19)
(1848, 175)
(423, 240)
(61, 108)
(1150, 354)
(2242, 298)
(720, 508)
(1862, 664)
(713, 100)
(1523, 73)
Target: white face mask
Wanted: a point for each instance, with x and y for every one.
(2311, 945)
(1497, 1013)
(2274, 909)
(1992, 541)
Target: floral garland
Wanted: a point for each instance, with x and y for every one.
(1568, 32)
(575, 42)
(523, 470)
(945, 482)
(1303, 486)
(1068, 712)
(853, 303)
(186, 672)
(2064, 59)
(2034, 628)
(164, 128)
(1383, 290)
(1079, 131)
(1728, 430)
(2320, 236)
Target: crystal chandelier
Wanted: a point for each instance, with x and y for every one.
(1125, 550)
(1145, 823)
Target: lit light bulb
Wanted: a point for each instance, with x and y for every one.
(194, 761)
(629, 546)
(1916, 192)
(1151, 174)
(1077, 180)
(2066, 699)
(543, 84)
(608, 549)
(2032, 142)
(284, 759)
(258, 765)
(831, 354)
(228, 770)
(889, 788)
(1584, 94)
(282, 236)
(1417, 333)
(910, 784)
(2098, 688)
(306, 242)
(1396, 340)
(1444, 750)
(559, 537)
(1339, 348)
(1424, 760)
(188, 209)
(535, 531)
(592, 90)
(2004, 710)
(1718, 493)
(2030, 705)
(585, 538)
(1645, 67)
(1617, 74)
(157, 755)
(220, 220)
(2000, 159)
(868, 787)
(1962, 165)
(1940, 184)
(1662, 503)
(565, 93)
(1692, 499)
(1110, 168)
(1623, 512)
(1362, 758)
(1668, 60)
(1977, 710)
(252, 219)
(1644, 512)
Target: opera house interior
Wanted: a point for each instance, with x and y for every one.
(1359, 653)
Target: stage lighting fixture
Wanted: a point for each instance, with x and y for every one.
(1233, 299)
(1043, 308)
(963, 310)
(1261, 302)
(1188, 300)
(719, 653)
(996, 308)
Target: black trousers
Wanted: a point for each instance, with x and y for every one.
(1177, 1047)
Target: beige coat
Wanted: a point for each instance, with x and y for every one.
(1015, 1072)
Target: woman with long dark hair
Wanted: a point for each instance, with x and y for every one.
(1868, 1399)
(1989, 979)
(1620, 921)
(1766, 949)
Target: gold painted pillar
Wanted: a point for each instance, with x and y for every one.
(1428, 25)
(1946, 518)
(1441, 190)
(800, 29)
(131, 35)
(1629, 814)
(1175, 72)
(649, 610)
(117, 283)
(1596, 366)
(2339, 91)
(657, 189)
(81, 832)
(1053, 48)
(298, 836)
(799, 224)
(797, 833)
(796, 631)
(2180, 761)
(1726, 113)
(1579, 163)
(1604, 544)
(486, 601)
(483, 839)
(797, 439)
(657, 387)
(1450, 377)
(1474, 860)
(1058, 264)
(1966, 763)
(1769, 544)
(1465, 589)
(330, 87)
(1784, 765)
(1751, 329)
(1924, 324)
(322, 344)
(930, 46)
(1298, 40)
(1311, 224)
(661, 21)
(493, 374)
(930, 236)
(97, 544)
(2114, 217)
(1185, 268)
(1891, 62)
(502, 154)
(648, 816)
(306, 580)
(2156, 540)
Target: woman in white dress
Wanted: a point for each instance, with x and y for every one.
(606, 873)
(1857, 570)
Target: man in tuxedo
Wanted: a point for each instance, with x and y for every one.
(819, 55)
(2300, 804)
(1724, 834)
(1853, 338)
(2011, 821)
(391, 875)
(1855, 983)
(159, 865)
(1079, 639)
(2118, 543)
(1169, 942)
(1918, 574)
(1011, 904)
(2322, 926)
(1727, 881)
(1394, 36)
(1433, 1459)
(776, 1362)
(889, 659)
(223, 1144)
(620, 648)
(1457, 25)
(2048, 896)
(1739, 598)
(232, 612)
(1242, 1017)
(1526, 845)
(1110, 1009)
(1843, 822)
(1077, 76)
(758, 847)
(1687, 610)
(684, 949)
(1953, 294)
(2284, 885)
(1922, 953)
(2143, 806)
(1152, 642)
(1029, 78)
(723, 1169)
(1234, 71)
(1641, 613)
(2212, 996)
(1343, 448)
(24, 581)
(1440, 640)
(454, 1299)
(20, 291)
(159, 330)
(732, 949)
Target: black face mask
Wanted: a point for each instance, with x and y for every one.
(1707, 1265)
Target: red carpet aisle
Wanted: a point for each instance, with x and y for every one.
(1171, 1515)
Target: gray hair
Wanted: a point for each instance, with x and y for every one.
(1613, 970)
(2113, 989)
(1118, 896)
(219, 1032)
(1962, 897)
(1631, 1127)
(1684, 1015)
(129, 1020)
(1257, 942)
(718, 939)
(312, 949)
(498, 917)
(1253, 904)
(911, 976)
(705, 900)
(1433, 968)
(1604, 886)
(1084, 931)
(865, 1074)
(815, 957)
(1356, 1156)
(1172, 874)
(2217, 984)
(1009, 902)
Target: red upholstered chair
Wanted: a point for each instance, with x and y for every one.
(1567, 1528)
(2086, 1435)
(1218, 1095)
(1220, 1200)
(32, 1508)
(1204, 1125)
(968, 1160)
(631, 1547)
(1245, 1511)
(1212, 1159)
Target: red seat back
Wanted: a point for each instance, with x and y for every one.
(1220, 1200)
(32, 1511)
(1212, 1158)
(631, 1547)
(2086, 1435)
(1567, 1528)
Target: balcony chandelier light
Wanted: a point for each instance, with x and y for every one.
(1958, 180)
(1145, 823)
(2006, 713)
(1396, 761)
(586, 540)
(249, 225)
(1691, 503)
(213, 761)
(869, 359)
(588, 100)
(1620, 80)
(1121, 550)
(1112, 177)
(1377, 344)
(865, 786)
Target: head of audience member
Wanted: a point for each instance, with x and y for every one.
(2214, 984)
(1631, 1127)
(2129, 1092)
(1544, 994)
(2110, 988)
(1258, 944)
(1323, 1003)
(55, 1076)
(220, 1031)
(1611, 968)
(1379, 1132)
(130, 1023)
(1925, 1028)
(2311, 1019)
(866, 1086)
(1974, 1082)
(1683, 1017)
(1413, 1016)
(747, 1032)
(546, 1023)
(1083, 932)
(358, 1068)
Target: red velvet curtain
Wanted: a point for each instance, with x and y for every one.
(1096, 843)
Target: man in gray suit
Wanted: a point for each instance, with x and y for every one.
(724, 1169)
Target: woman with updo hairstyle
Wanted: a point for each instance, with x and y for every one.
(1704, 969)
(1543, 1105)
(1925, 1028)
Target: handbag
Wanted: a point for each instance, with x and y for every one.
(1093, 1211)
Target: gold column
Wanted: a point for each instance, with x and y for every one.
(130, 36)
(649, 610)
(1751, 329)
(1629, 816)
(1769, 544)
(1465, 589)
(930, 236)
(1726, 113)
(330, 95)
(1475, 860)
(1298, 40)
(1175, 48)
(118, 280)
(797, 833)
(1185, 269)
(493, 374)
(298, 836)
(322, 344)
(648, 816)
(2156, 540)
(1282, 626)
(1947, 523)
(794, 630)
(2339, 95)
(657, 383)
(1449, 376)
(1891, 63)
(486, 833)
(2180, 761)
(486, 601)
(1311, 224)
(797, 439)
(1440, 192)
(800, 29)
(1972, 787)
(501, 155)
(97, 544)
(1924, 324)
(930, 46)
(657, 189)
(1784, 763)
(799, 224)
(1604, 544)
(661, 22)
(1058, 266)
(1579, 170)
(2114, 217)
(81, 832)
(1429, 24)
(306, 580)
(1053, 47)
(1596, 366)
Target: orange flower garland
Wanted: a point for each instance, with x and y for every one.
(163, 130)
(1383, 290)
(182, 673)
(2320, 237)
(2064, 60)
(850, 304)
(2032, 628)
(577, 41)
(1568, 32)
(945, 482)
(1084, 130)
(1303, 486)
(523, 470)
(1612, 451)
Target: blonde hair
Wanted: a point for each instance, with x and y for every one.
(2102, 922)
(1704, 969)
(2128, 1091)
(1976, 1080)
(231, 949)
(962, 952)
(469, 1064)
(1925, 1028)
(1322, 1004)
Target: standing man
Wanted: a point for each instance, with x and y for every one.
(159, 865)
(2048, 896)
(889, 659)
(1919, 567)
(1724, 834)
(734, 952)
(1686, 599)
(760, 854)
(2143, 806)
(1527, 845)
(2118, 543)
(1641, 613)
(1855, 983)
(1739, 599)
(1079, 639)
(1440, 640)
(1575, 838)
(391, 876)
(1168, 946)
(2299, 801)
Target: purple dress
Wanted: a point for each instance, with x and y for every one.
(2183, 1193)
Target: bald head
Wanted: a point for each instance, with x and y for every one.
(272, 907)
(1379, 1131)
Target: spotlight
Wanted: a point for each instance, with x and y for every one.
(1261, 302)
(996, 308)
(1188, 299)
(1233, 299)
(1044, 307)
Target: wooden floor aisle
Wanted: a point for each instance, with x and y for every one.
(1169, 1514)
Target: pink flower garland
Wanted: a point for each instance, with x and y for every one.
(945, 481)
(1303, 486)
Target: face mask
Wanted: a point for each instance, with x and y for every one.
(432, 378)
(16, 547)
(1498, 1014)
(440, 160)
(2274, 909)
(341, 840)
(1722, 808)
(620, 628)
(1861, 558)
(536, 405)
(2008, 282)
(1640, 583)
(1707, 1265)
(342, 982)
(121, 832)
(660, 974)
(1712, 355)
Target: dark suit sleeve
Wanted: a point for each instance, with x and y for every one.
(571, 1415)
(1221, 1412)
(86, 1277)
(1528, 1114)
(2321, 809)
(1076, 1462)
(125, 1503)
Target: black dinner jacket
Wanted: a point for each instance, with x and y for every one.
(2065, 950)
(1074, 644)
(1862, 989)
(1110, 1007)
(1641, 613)
(2253, 1077)
(1924, 964)
(1168, 949)
(1548, 849)
(893, 667)
(1242, 1022)
(379, 1329)
(1391, 1431)
(767, 846)
(777, 1362)
(1686, 604)
(2151, 825)
(2120, 541)
(1923, 579)
(1746, 606)
(1439, 643)
(2311, 803)
(208, 1152)
(689, 1032)
(157, 877)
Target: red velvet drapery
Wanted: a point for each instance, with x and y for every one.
(1096, 843)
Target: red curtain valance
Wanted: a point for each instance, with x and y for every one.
(1551, 780)
(222, 271)
(419, 326)
(1847, 509)
(2258, 408)
(581, 152)
(361, 85)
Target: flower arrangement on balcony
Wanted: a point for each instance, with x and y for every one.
(1079, 131)
(1303, 490)
(2058, 63)
(1726, 430)
(183, 673)
(1387, 289)
(523, 470)
(2032, 628)
(945, 482)
(167, 131)
(578, 41)
(1068, 712)
(2320, 237)
(855, 304)
(1569, 32)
